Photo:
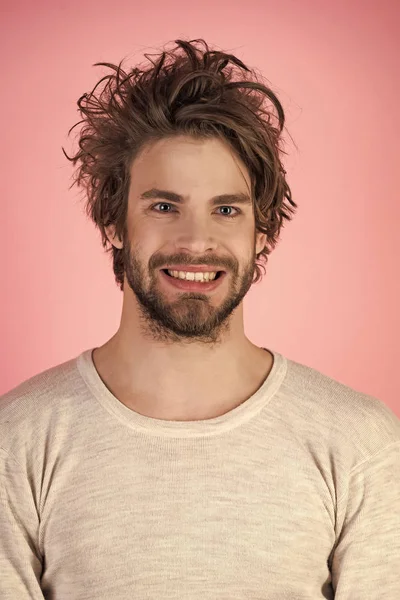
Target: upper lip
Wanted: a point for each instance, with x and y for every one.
(194, 268)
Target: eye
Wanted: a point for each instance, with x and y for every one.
(162, 204)
(168, 204)
(231, 216)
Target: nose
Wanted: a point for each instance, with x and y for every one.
(195, 236)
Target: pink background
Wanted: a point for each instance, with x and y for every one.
(331, 295)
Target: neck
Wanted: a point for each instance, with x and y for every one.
(181, 381)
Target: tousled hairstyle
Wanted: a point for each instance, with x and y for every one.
(189, 90)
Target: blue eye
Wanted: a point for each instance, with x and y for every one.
(162, 204)
(229, 216)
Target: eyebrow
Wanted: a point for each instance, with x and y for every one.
(239, 198)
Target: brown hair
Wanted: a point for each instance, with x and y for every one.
(195, 92)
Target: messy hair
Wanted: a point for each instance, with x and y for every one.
(189, 90)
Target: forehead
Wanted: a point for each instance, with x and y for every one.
(186, 164)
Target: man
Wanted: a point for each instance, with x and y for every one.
(179, 460)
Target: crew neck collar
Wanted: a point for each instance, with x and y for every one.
(201, 428)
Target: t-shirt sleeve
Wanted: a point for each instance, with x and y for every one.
(366, 560)
(20, 561)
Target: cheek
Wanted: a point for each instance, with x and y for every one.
(141, 236)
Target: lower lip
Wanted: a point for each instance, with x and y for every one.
(193, 286)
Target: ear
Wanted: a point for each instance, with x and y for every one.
(261, 239)
(113, 238)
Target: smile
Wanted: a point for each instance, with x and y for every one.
(193, 276)
(193, 282)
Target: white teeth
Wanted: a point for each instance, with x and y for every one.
(190, 276)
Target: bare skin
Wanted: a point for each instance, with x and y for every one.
(180, 355)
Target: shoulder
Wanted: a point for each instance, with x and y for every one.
(365, 420)
(38, 386)
(29, 407)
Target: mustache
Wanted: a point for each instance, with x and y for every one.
(183, 259)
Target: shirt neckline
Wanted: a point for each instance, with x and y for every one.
(206, 427)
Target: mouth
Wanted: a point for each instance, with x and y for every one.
(192, 285)
(168, 272)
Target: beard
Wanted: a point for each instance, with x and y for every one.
(192, 316)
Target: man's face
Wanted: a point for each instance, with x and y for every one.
(163, 232)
